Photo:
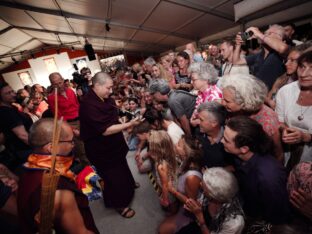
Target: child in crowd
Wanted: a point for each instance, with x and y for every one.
(162, 152)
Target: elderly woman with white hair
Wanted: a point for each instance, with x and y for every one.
(204, 78)
(220, 204)
(244, 95)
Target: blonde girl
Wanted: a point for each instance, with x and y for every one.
(162, 152)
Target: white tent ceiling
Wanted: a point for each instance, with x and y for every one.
(153, 26)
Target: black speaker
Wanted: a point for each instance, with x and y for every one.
(90, 52)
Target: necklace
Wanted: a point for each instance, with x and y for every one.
(301, 116)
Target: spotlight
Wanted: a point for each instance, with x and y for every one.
(107, 27)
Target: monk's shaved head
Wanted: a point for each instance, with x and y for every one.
(100, 78)
(41, 132)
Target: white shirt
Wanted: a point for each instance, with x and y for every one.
(288, 111)
(175, 132)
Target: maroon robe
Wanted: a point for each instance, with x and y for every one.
(28, 201)
(106, 153)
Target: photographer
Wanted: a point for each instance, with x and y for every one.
(83, 81)
(267, 65)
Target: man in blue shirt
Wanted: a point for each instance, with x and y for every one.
(262, 179)
(211, 117)
(267, 65)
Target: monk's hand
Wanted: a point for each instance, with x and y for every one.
(136, 121)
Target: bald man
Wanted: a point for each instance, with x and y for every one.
(105, 145)
(69, 203)
(68, 108)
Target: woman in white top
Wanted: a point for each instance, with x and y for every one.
(294, 109)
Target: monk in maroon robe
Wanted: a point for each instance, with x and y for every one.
(105, 145)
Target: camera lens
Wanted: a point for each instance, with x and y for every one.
(246, 35)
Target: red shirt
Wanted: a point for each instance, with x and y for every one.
(68, 106)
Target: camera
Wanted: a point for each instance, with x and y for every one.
(128, 114)
(246, 35)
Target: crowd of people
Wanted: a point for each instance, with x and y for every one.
(226, 133)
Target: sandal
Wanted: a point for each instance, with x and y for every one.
(126, 212)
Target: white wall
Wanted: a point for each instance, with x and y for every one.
(14, 81)
(40, 74)
(39, 68)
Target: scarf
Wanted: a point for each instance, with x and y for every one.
(85, 177)
(62, 165)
